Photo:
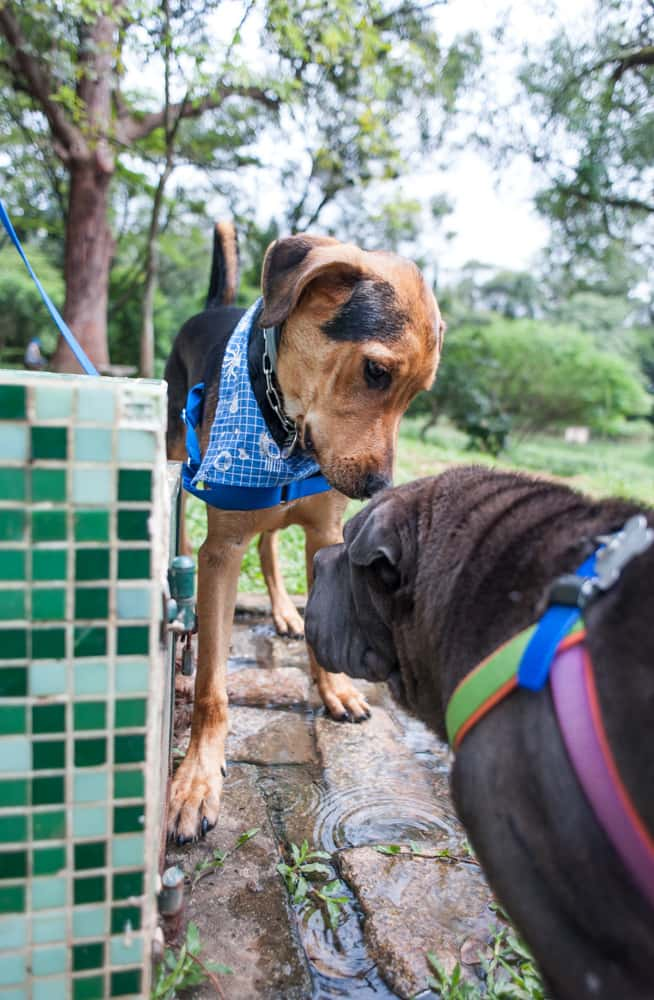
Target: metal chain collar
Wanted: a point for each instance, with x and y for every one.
(275, 402)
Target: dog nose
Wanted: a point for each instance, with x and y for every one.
(374, 482)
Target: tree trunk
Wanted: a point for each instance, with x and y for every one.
(89, 249)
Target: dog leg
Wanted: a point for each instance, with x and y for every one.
(286, 616)
(341, 699)
(196, 788)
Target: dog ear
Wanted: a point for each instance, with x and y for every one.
(292, 264)
(377, 544)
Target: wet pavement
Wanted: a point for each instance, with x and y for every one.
(347, 790)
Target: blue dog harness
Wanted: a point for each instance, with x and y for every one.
(243, 468)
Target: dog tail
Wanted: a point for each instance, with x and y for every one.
(223, 283)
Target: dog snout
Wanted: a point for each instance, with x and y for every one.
(373, 483)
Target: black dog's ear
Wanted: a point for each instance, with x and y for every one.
(292, 264)
(376, 543)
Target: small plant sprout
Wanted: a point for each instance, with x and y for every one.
(304, 878)
(217, 858)
(184, 968)
(415, 850)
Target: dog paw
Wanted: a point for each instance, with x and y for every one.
(288, 621)
(194, 800)
(342, 700)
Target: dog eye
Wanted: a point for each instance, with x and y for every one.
(376, 375)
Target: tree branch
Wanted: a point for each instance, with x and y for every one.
(131, 129)
(30, 76)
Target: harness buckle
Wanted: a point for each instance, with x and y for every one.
(572, 590)
(619, 549)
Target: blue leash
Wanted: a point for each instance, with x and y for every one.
(64, 330)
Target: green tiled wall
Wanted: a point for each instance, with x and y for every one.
(84, 529)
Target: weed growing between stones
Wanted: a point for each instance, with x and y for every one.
(183, 968)
(218, 858)
(305, 881)
(414, 850)
(509, 973)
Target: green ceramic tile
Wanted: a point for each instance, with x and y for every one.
(133, 564)
(13, 720)
(88, 988)
(48, 604)
(12, 402)
(48, 755)
(127, 852)
(92, 564)
(90, 753)
(136, 446)
(48, 719)
(48, 860)
(12, 525)
(129, 749)
(133, 639)
(90, 821)
(12, 483)
(48, 927)
(90, 715)
(48, 484)
(49, 525)
(13, 932)
(93, 444)
(49, 826)
(48, 790)
(52, 402)
(13, 792)
(133, 525)
(92, 526)
(132, 675)
(13, 864)
(49, 564)
(95, 405)
(130, 713)
(125, 919)
(14, 443)
(49, 443)
(14, 753)
(13, 828)
(90, 640)
(89, 921)
(133, 602)
(90, 677)
(90, 786)
(49, 961)
(12, 564)
(126, 884)
(129, 819)
(13, 646)
(134, 484)
(13, 680)
(12, 970)
(92, 855)
(125, 983)
(48, 643)
(48, 893)
(12, 604)
(12, 899)
(126, 951)
(92, 602)
(90, 889)
(88, 956)
(93, 486)
(47, 677)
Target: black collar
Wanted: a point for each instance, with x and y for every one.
(258, 381)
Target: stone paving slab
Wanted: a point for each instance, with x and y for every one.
(266, 736)
(242, 911)
(277, 687)
(413, 906)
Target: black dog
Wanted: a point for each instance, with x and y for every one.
(432, 578)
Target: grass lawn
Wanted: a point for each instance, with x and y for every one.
(623, 467)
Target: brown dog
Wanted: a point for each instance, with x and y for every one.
(432, 578)
(360, 336)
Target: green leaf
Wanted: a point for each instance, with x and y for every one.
(388, 848)
(248, 835)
